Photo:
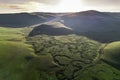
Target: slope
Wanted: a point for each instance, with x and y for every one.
(100, 26)
(111, 54)
(52, 28)
(18, 60)
(11, 34)
(23, 19)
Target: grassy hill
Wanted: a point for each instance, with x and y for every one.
(100, 26)
(12, 60)
(111, 54)
(18, 60)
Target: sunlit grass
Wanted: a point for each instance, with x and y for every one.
(11, 34)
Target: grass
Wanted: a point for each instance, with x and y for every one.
(100, 71)
(18, 62)
(11, 34)
(112, 54)
(12, 59)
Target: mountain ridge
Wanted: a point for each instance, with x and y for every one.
(100, 26)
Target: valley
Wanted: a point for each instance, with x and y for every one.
(54, 46)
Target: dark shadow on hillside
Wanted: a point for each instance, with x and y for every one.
(100, 26)
(117, 66)
(101, 36)
(50, 30)
(23, 19)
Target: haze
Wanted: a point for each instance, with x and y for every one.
(16, 6)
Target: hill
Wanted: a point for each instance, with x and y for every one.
(23, 19)
(11, 34)
(52, 28)
(12, 60)
(100, 26)
(18, 62)
(111, 54)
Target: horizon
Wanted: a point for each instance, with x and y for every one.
(60, 12)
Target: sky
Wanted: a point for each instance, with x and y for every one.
(16, 6)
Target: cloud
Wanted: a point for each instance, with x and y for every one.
(10, 6)
(31, 6)
(47, 1)
(102, 2)
(58, 5)
(13, 8)
(103, 5)
(26, 1)
(13, 1)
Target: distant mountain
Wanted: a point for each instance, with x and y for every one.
(100, 26)
(54, 28)
(23, 19)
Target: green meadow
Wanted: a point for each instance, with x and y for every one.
(112, 54)
(18, 60)
(11, 34)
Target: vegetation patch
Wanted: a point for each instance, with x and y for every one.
(71, 53)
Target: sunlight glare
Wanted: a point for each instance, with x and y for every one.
(70, 6)
(63, 6)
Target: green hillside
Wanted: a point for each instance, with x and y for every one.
(18, 62)
(11, 34)
(13, 60)
(112, 54)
